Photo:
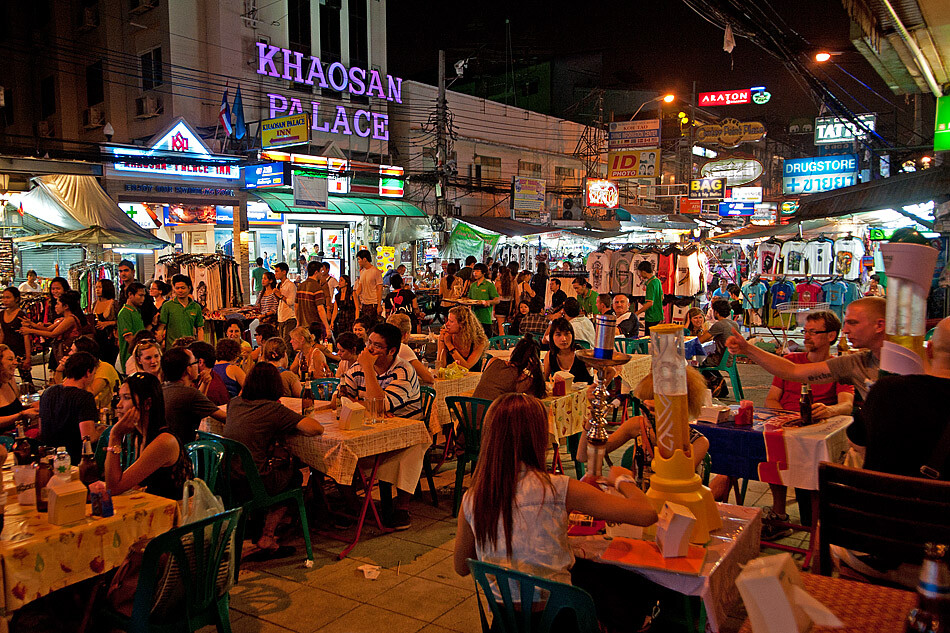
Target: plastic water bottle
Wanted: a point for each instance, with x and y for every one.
(61, 463)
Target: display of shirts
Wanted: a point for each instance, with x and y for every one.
(666, 271)
(688, 276)
(848, 254)
(793, 256)
(834, 292)
(598, 268)
(782, 292)
(678, 313)
(818, 254)
(808, 292)
(753, 295)
(623, 272)
(769, 253)
(639, 288)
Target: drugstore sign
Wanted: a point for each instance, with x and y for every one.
(814, 175)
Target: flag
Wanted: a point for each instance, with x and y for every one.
(224, 115)
(20, 210)
(239, 128)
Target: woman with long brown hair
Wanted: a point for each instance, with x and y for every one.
(507, 292)
(344, 308)
(516, 513)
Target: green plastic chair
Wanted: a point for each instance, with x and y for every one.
(503, 342)
(237, 453)
(582, 344)
(728, 365)
(627, 345)
(126, 458)
(505, 328)
(7, 441)
(332, 367)
(206, 457)
(324, 388)
(930, 334)
(470, 413)
(507, 619)
(205, 600)
(427, 397)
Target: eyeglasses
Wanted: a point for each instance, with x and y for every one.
(814, 332)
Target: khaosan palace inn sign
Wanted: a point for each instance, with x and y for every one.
(283, 63)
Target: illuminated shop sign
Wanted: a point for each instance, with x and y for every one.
(282, 63)
(284, 131)
(829, 129)
(736, 171)
(180, 139)
(603, 194)
(262, 176)
(758, 95)
(345, 176)
(813, 175)
(707, 188)
(732, 209)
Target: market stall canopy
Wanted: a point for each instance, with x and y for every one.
(888, 193)
(659, 222)
(507, 226)
(400, 230)
(98, 236)
(74, 202)
(754, 231)
(280, 202)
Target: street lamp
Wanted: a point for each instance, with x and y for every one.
(667, 98)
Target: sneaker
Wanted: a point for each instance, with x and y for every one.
(772, 528)
(400, 520)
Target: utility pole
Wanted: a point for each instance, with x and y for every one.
(442, 145)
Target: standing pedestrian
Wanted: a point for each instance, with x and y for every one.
(182, 316)
(126, 276)
(344, 308)
(129, 321)
(256, 273)
(484, 291)
(369, 288)
(652, 308)
(286, 294)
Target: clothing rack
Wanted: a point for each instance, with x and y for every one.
(84, 275)
(214, 276)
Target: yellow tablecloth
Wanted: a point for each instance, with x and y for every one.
(567, 413)
(57, 556)
(444, 389)
(635, 370)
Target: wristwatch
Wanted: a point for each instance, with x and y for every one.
(624, 479)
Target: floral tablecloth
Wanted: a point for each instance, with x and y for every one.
(732, 545)
(336, 451)
(37, 557)
(567, 413)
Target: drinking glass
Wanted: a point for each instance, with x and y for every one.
(376, 409)
(25, 389)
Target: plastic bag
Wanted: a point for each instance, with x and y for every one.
(198, 502)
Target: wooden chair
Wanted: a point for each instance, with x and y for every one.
(470, 413)
(728, 364)
(879, 514)
(509, 618)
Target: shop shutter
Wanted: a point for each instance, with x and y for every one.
(44, 259)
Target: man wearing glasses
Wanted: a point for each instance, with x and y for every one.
(830, 399)
(185, 406)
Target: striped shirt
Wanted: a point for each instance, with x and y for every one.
(400, 384)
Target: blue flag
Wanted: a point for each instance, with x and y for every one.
(240, 129)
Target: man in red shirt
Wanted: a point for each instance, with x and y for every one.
(830, 399)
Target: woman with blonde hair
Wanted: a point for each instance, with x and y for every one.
(302, 342)
(146, 357)
(695, 322)
(516, 512)
(275, 353)
(462, 340)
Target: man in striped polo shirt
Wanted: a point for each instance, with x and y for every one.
(380, 373)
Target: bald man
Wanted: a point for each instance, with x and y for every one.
(864, 327)
(904, 418)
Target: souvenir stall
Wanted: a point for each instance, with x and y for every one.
(84, 275)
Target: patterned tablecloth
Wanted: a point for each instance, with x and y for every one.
(735, 544)
(444, 389)
(861, 606)
(567, 413)
(336, 451)
(786, 456)
(37, 557)
(635, 370)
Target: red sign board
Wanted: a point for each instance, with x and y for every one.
(688, 205)
(726, 97)
(603, 194)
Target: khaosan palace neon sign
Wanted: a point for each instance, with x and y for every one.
(309, 71)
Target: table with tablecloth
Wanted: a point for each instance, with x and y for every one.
(786, 455)
(445, 388)
(635, 370)
(730, 547)
(37, 558)
(862, 607)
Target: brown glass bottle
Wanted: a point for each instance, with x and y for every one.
(88, 469)
(22, 450)
(804, 404)
(44, 472)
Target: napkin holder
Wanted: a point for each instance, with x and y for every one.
(714, 414)
(351, 414)
(673, 530)
(67, 501)
(563, 381)
(771, 588)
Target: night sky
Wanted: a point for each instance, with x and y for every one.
(661, 45)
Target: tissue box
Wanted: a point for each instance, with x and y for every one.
(67, 501)
(563, 380)
(352, 415)
(714, 414)
(673, 529)
(625, 530)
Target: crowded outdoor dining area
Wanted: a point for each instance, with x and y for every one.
(342, 445)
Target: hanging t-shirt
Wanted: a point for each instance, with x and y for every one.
(793, 255)
(782, 292)
(848, 254)
(666, 270)
(818, 254)
(678, 313)
(769, 253)
(621, 281)
(834, 292)
(687, 275)
(852, 292)
(598, 268)
(808, 292)
(753, 295)
(638, 288)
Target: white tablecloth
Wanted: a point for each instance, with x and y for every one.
(735, 544)
(805, 448)
(635, 370)
(444, 389)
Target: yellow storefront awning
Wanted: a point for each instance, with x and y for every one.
(281, 202)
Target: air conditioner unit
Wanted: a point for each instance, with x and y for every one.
(141, 6)
(93, 117)
(569, 209)
(89, 18)
(147, 107)
(44, 129)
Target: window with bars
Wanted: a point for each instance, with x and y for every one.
(152, 73)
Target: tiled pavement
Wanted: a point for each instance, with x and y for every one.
(417, 589)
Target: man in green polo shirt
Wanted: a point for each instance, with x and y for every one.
(652, 308)
(481, 289)
(585, 296)
(129, 321)
(181, 316)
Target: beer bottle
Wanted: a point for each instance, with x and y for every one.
(44, 472)
(932, 614)
(307, 401)
(88, 468)
(804, 404)
(22, 450)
